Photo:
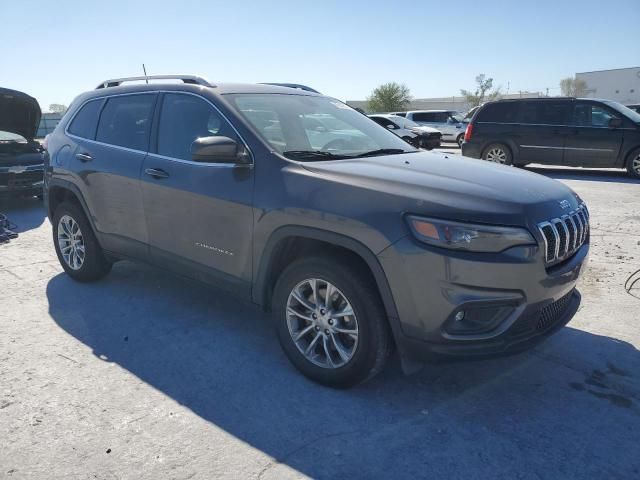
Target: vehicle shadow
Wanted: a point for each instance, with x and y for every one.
(218, 357)
(591, 175)
(25, 213)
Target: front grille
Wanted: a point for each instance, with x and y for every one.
(18, 180)
(565, 235)
(550, 314)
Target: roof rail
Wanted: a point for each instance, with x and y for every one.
(193, 79)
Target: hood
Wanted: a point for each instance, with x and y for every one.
(19, 113)
(455, 187)
(425, 129)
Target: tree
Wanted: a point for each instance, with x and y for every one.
(573, 87)
(57, 108)
(389, 97)
(480, 95)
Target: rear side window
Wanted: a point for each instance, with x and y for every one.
(498, 112)
(86, 120)
(184, 118)
(424, 117)
(544, 113)
(126, 121)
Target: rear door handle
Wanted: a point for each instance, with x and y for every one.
(84, 157)
(156, 173)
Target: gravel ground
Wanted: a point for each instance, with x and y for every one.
(147, 376)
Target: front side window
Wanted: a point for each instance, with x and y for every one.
(385, 122)
(590, 115)
(86, 120)
(126, 121)
(303, 127)
(183, 118)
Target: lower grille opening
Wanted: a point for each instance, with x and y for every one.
(550, 314)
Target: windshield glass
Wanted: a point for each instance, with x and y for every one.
(305, 127)
(626, 111)
(409, 123)
(457, 117)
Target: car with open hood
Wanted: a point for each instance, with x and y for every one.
(419, 136)
(356, 241)
(21, 163)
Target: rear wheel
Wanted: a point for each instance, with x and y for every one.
(498, 153)
(76, 245)
(330, 321)
(633, 163)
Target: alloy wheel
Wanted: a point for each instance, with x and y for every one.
(71, 242)
(497, 155)
(635, 165)
(322, 323)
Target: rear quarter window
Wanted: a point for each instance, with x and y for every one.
(424, 117)
(86, 120)
(498, 112)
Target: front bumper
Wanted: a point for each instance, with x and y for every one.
(430, 142)
(526, 301)
(22, 181)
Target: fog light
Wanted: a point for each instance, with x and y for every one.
(477, 319)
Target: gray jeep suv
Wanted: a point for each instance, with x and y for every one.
(356, 241)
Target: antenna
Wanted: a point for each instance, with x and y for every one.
(144, 69)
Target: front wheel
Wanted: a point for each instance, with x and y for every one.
(633, 164)
(460, 140)
(76, 246)
(498, 153)
(330, 321)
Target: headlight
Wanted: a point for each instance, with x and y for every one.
(465, 236)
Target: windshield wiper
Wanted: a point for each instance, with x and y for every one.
(312, 155)
(383, 151)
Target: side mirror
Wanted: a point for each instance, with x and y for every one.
(615, 122)
(218, 150)
(391, 126)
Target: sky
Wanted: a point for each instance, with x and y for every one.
(56, 49)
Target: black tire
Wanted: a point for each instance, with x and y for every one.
(633, 163)
(460, 139)
(94, 265)
(374, 337)
(498, 147)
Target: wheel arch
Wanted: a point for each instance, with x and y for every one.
(302, 240)
(59, 191)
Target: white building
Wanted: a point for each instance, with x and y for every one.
(620, 84)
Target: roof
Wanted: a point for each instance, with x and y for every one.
(608, 70)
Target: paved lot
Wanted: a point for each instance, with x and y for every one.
(144, 375)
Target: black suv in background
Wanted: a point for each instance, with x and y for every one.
(356, 240)
(21, 164)
(575, 132)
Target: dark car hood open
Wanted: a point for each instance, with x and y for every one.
(456, 187)
(19, 113)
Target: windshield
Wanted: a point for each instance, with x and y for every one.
(408, 123)
(308, 128)
(626, 111)
(457, 117)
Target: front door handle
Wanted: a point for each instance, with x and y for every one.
(156, 173)
(84, 157)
